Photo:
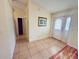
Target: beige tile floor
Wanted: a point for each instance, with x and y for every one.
(42, 49)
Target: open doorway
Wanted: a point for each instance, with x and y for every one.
(20, 26)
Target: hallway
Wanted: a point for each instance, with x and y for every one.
(41, 49)
(34, 21)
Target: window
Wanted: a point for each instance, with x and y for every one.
(68, 21)
(58, 24)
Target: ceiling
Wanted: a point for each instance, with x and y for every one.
(20, 5)
(51, 5)
(57, 5)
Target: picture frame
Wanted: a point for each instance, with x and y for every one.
(42, 21)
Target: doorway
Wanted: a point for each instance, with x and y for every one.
(20, 26)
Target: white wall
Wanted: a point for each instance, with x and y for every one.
(71, 38)
(35, 32)
(7, 35)
(73, 34)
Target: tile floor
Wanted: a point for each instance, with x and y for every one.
(41, 49)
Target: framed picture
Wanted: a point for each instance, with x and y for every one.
(42, 21)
